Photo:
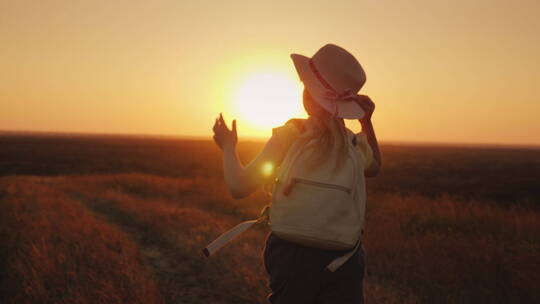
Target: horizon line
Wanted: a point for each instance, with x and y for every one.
(261, 139)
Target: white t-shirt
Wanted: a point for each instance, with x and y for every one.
(285, 135)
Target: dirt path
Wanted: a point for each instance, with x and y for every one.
(181, 277)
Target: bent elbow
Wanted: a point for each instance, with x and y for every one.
(373, 171)
(238, 193)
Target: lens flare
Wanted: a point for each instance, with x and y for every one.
(267, 169)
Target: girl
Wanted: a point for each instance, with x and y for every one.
(331, 78)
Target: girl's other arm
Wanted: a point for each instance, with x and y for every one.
(373, 170)
(367, 127)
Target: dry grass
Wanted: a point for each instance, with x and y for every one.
(449, 251)
(132, 230)
(419, 249)
(184, 216)
(56, 251)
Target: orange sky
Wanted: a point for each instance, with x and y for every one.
(439, 71)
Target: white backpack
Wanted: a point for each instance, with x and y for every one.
(317, 206)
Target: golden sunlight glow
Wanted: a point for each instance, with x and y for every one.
(157, 68)
(267, 100)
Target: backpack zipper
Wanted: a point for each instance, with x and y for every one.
(295, 181)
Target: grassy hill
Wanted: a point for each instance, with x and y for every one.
(112, 219)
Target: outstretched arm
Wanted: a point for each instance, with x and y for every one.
(367, 127)
(242, 181)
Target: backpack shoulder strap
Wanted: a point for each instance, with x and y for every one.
(352, 137)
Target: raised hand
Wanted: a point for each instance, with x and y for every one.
(222, 135)
(367, 105)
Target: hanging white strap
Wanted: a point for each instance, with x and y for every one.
(231, 234)
(226, 237)
(337, 262)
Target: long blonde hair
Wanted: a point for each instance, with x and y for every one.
(329, 133)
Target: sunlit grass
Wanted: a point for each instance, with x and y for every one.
(419, 249)
(477, 244)
(59, 252)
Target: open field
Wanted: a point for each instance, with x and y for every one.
(122, 219)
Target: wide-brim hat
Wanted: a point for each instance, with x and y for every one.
(333, 77)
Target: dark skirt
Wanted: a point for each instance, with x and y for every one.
(297, 274)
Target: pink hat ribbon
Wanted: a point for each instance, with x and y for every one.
(331, 93)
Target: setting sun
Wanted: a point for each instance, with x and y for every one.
(267, 100)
